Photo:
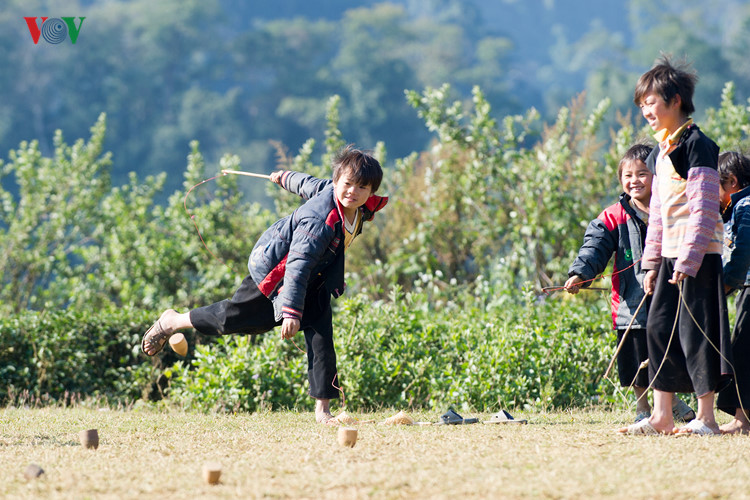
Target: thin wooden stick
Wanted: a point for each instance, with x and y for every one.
(249, 174)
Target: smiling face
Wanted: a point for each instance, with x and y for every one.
(727, 188)
(662, 115)
(636, 181)
(349, 193)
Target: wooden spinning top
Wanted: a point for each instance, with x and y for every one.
(179, 344)
(347, 436)
(212, 472)
(89, 438)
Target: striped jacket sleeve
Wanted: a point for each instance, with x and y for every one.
(652, 252)
(702, 191)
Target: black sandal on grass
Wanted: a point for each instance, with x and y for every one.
(452, 418)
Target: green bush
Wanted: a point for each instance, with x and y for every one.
(54, 355)
(405, 352)
(492, 207)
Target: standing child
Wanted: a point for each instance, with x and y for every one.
(734, 171)
(621, 230)
(295, 267)
(688, 313)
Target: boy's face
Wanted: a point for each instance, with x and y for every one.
(350, 194)
(636, 180)
(661, 115)
(727, 188)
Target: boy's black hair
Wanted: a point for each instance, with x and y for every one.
(635, 152)
(737, 164)
(363, 166)
(668, 80)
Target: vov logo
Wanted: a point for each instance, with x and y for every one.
(54, 30)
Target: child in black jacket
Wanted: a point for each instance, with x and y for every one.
(295, 268)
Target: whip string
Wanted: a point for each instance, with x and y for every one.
(717, 349)
(683, 303)
(195, 224)
(625, 335)
(666, 352)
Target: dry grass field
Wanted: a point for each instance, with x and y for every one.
(159, 454)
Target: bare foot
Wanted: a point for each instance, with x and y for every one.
(323, 412)
(646, 427)
(735, 427)
(326, 418)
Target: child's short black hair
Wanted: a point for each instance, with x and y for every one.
(737, 164)
(363, 166)
(668, 80)
(635, 152)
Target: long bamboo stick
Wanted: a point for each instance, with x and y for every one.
(249, 174)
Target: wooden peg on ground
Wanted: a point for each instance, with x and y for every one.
(89, 438)
(212, 472)
(347, 436)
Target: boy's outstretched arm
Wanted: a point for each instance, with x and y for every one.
(300, 184)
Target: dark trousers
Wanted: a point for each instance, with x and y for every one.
(249, 312)
(692, 361)
(634, 352)
(727, 401)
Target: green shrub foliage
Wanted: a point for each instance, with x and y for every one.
(444, 303)
(403, 352)
(54, 355)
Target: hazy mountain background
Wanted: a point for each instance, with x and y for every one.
(240, 76)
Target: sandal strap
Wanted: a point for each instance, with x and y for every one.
(156, 336)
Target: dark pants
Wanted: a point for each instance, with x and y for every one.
(693, 360)
(249, 312)
(634, 352)
(727, 400)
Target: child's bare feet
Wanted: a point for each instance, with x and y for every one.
(323, 412)
(648, 427)
(735, 427)
(326, 419)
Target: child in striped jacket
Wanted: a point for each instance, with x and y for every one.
(688, 328)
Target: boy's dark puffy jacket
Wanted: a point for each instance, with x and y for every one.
(616, 230)
(737, 240)
(305, 249)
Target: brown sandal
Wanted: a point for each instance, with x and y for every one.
(156, 336)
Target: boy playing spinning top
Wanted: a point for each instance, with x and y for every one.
(295, 268)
